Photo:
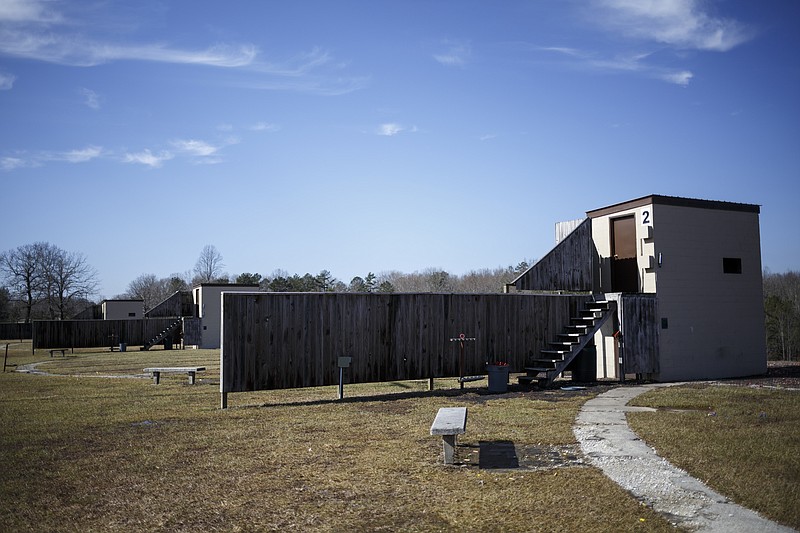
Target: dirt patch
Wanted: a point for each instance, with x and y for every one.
(506, 455)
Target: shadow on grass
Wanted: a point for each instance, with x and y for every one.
(469, 395)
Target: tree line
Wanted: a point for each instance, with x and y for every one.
(782, 309)
(45, 282)
(209, 268)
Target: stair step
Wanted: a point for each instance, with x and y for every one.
(529, 379)
(578, 327)
(537, 369)
(554, 352)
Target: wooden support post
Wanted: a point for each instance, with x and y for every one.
(223, 404)
(156, 377)
(5, 359)
(430, 383)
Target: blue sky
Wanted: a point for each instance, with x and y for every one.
(375, 136)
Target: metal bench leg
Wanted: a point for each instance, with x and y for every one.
(156, 377)
(449, 447)
(191, 378)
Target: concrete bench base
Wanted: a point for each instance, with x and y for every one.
(191, 370)
(449, 423)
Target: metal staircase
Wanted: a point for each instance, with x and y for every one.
(172, 328)
(569, 343)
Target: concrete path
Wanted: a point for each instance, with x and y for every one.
(608, 443)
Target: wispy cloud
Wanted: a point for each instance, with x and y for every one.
(33, 30)
(264, 126)
(391, 129)
(195, 148)
(147, 158)
(664, 26)
(319, 85)
(27, 11)
(79, 156)
(11, 163)
(456, 54)
(631, 63)
(90, 98)
(6, 81)
(78, 51)
(487, 137)
(202, 152)
(682, 77)
(683, 24)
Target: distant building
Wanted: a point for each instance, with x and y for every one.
(122, 309)
(208, 306)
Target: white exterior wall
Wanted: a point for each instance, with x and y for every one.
(646, 257)
(208, 298)
(714, 321)
(122, 309)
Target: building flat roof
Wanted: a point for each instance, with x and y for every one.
(678, 201)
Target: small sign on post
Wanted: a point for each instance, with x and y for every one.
(344, 362)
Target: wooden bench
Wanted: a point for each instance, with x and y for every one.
(449, 423)
(191, 370)
(62, 350)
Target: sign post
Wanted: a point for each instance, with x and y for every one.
(344, 362)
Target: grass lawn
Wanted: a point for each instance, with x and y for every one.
(743, 442)
(83, 453)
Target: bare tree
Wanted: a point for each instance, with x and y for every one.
(209, 265)
(149, 288)
(42, 272)
(69, 278)
(22, 269)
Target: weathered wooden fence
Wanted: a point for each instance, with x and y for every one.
(180, 303)
(15, 330)
(638, 314)
(192, 331)
(285, 340)
(569, 266)
(95, 333)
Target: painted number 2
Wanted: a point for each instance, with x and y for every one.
(645, 217)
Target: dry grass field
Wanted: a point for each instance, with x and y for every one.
(81, 452)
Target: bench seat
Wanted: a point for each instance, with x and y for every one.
(191, 370)
(449, 423)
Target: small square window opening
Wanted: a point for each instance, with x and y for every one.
(732, 265)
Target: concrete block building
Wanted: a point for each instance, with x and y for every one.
(693, 266)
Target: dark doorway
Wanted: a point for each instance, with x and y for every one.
(624, 270)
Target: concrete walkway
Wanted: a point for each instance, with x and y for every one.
(608, 443)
